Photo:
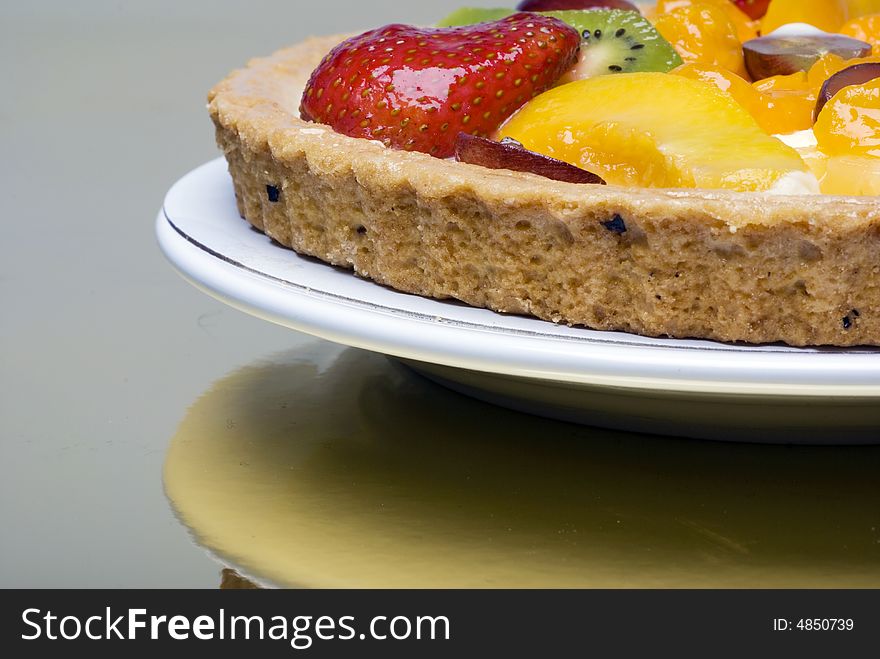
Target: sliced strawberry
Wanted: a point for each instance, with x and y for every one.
(754, 8)
(417, 88)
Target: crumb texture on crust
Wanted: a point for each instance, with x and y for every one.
(681, 263)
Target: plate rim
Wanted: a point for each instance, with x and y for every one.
(607, 361)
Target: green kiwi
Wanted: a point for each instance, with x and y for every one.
(614, 40)
(472, 15)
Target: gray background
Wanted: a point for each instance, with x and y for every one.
(102, 346)
(104, 351)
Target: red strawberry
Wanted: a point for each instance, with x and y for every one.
(754, 8)
(417, 88)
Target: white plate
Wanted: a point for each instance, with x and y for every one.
(688, 388)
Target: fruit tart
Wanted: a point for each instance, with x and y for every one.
(694, 168)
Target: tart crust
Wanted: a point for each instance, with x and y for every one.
(744, 267)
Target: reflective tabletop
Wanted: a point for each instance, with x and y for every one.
(327, 466)
(151, 436)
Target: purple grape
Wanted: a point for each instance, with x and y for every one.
(510, 154)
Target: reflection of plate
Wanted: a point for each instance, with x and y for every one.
(696, 388)
(334, 467)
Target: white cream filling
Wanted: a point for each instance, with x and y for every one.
(797, 30)
(795, 183)
(802, 139)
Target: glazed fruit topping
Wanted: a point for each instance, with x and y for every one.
(417, 88)
(770, 55)
(755, 9)
(744, 27)
(510, 154)
(702, 32)
(858, 74)
(777, 111)
(629, 129)
(530, 90)
(614, 40)
(617, 41)
(787, 102)
(552, 5)
(864, 28)
(827, 15)
(848, 124)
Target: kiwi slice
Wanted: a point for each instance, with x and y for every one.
(614, 40)
(473, 15)
(618, 41)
